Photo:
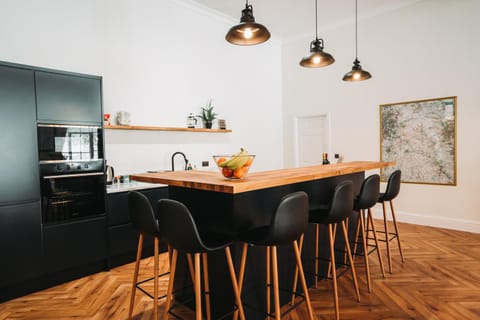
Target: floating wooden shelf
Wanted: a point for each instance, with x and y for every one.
(151, 128)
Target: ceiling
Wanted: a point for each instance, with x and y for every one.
(294, 18)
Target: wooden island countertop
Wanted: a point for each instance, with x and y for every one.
(214, 181)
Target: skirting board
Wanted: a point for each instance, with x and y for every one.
(432, 221)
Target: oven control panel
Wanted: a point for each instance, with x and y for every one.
(68, 167)
(71, 167)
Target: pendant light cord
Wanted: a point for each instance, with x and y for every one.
(356, 32)
(316, 19)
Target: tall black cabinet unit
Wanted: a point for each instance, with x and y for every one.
(34, 256)
(20, 216)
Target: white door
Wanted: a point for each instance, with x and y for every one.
(312, 138)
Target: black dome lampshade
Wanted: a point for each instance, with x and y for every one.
(357, 73)
(317, 57)
(248, 32)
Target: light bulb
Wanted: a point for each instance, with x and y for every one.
(247, 34)
(317, 59)
(356, 75)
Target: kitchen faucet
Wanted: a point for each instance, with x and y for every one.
(184, 158)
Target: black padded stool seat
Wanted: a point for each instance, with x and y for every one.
(365, 200)
(143, 220)
(288, 223)
(391, 192)
(340, 207)
(180, 231)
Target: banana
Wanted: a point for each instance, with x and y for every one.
(236, 161)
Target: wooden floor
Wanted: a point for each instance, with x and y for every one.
(440, 279)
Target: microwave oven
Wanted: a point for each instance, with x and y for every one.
(69, 143)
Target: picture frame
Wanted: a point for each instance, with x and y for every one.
(420, 136)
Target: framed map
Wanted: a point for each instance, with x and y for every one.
(420, 136)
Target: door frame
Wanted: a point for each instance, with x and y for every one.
(296, 120)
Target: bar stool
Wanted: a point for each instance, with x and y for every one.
(391, 192)
(180, 231)
(336, 212)
(143, 219)
(289, 222)
(365, 200)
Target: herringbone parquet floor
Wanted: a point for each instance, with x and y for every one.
(440, 279)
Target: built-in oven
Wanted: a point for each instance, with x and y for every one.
(76, 196)
(71, 172)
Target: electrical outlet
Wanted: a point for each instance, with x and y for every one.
(205, 164)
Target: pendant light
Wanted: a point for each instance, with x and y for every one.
(357, 74)
(317, 57)
(248, 32)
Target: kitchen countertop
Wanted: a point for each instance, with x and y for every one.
(214, 181)
(132, 185)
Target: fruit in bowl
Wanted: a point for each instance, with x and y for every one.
(234, 166)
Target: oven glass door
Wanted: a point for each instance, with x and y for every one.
(60, 143)
(72, 197)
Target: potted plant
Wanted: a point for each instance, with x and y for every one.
(207, 115)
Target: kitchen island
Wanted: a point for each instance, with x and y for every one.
(231, 206)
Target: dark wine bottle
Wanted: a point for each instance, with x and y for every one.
(325, 158)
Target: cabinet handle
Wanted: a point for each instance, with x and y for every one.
(75, 175)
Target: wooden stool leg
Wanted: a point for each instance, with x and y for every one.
(345, 253)
(365, 249)
(295, 277)
(350, 258)
(357, 232)
(374, 231)
(170, 256)
(173, 268)
(317, 232)
(207, 285)
(135, 276)
(329, 272)
(155, 279)
(396, 231)
(302, 278)
(276, 295)
(267, 278)
(236, 290)
(190, 267)
(387, 237)
(241, 274)
(198, 287)
(334, 271)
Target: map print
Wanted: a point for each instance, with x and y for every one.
(420, 137)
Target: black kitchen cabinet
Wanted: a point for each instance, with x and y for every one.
(75, 244)
(19, 174)
(20, 243)
(68, 99)
(20, 215)
(32, 256)
(122, 236)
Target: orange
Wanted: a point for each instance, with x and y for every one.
(240, 172)
(249, 162)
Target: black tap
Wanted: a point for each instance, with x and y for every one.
(184, 157)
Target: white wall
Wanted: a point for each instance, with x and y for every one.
(427, 50)
(160, 60)
(166, 60)
(60, 34)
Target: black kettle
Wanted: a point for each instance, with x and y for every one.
(110, 174)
